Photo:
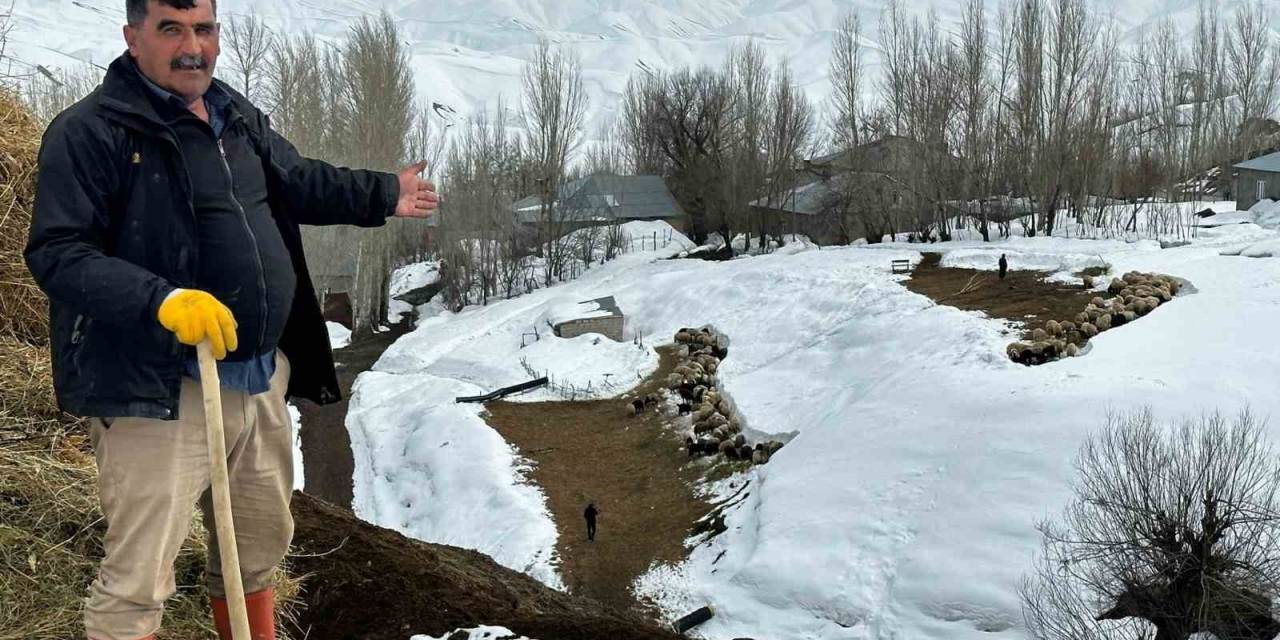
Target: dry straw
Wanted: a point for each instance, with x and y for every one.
(23, 309)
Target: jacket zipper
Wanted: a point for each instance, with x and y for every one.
(264, 309)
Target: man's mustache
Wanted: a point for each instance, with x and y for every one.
(190, 63)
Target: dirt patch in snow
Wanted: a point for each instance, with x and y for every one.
(326, 445)
(1023, 296)
(363, 581)
(634, 468)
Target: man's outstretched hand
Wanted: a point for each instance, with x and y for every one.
(418, 197)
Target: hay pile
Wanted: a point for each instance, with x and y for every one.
(51, 527)
(23, 308)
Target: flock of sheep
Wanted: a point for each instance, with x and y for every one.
(1134, 295)
(717, 426)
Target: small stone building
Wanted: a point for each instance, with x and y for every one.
(1257, 179)
(600, 316)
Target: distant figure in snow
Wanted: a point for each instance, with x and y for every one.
(590, 515)
(1004, 266)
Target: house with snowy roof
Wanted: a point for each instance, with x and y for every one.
(1257, 179)
(605, 198)
(601, 316)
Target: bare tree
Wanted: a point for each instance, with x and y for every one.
(1253, 67)
(1177, 530)
(297, 93)
(846, 73)
(555, 105)
(6, 26)
(975, 143)
(637, 126)
(49, 93)
(373, 115)
(789, 138)
(249, 43)
(608, 154)
(746, 167)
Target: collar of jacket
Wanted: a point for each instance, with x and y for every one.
(123, 96)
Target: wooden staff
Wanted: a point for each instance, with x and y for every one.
(221, 487)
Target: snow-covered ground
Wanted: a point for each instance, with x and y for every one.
(339, 336)
(299, 479)
(478, 633)
(406, 279)
(905, 505)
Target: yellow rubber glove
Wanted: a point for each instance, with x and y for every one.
(195, 315)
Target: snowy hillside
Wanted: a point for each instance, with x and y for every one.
(468, 52)
(905, 505)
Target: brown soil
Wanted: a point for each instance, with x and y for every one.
(326, 446)
(1023, 296)
(362, 581)
(633, 468)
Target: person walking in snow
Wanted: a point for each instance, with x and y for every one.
(1004, 266)
(590, 514)
(167, 213)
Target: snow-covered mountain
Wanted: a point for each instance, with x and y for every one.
(468, 52)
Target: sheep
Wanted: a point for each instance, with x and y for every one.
(721, 433)
(740, 440)
(1082, 318)
(724, 407)
(683, 337)
(728, 450)
(1130, 316)
(735, 423)
(1097, 301)
(637, 407)
(759, 457)
(1133, 277)
(1039, 335)
(1014, 351)
(1089, 329)
(1087, 281)
(701, 447)
(772, 446)
(699, 392)
(1103, 323)
(1053, 328)
(712, 397)
(1116, 285)
(684, 408)
(703, 427)
(1154, 302)
(1073, 351)
(1068, 326)
(744, 452)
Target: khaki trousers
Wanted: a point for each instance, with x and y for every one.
(151, 474)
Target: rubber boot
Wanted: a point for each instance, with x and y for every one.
(262, 615)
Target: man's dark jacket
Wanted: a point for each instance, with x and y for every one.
(114, 230)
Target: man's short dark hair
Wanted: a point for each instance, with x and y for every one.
(135, 11)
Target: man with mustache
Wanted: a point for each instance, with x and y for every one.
(167, 213)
